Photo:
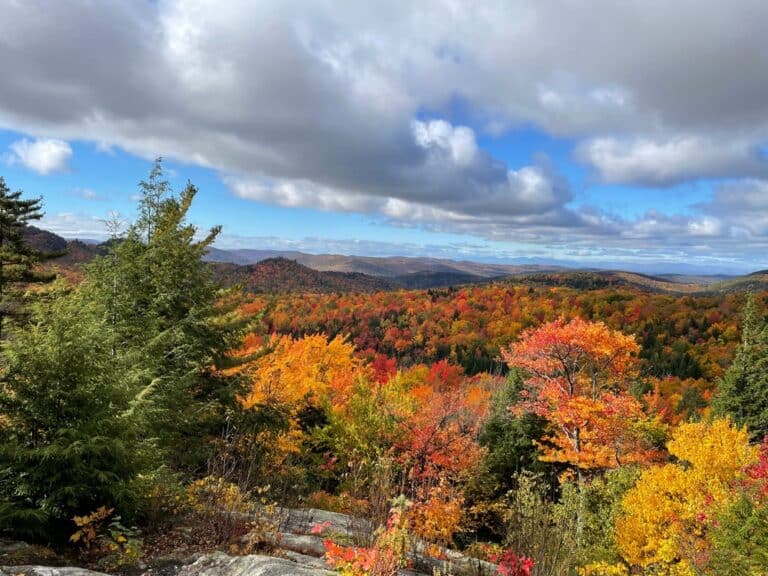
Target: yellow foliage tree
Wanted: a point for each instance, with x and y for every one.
(291, 375)
(666, 515)
(307, 370)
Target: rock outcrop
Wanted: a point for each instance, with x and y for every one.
(216, 564)
(299, 547)
(46, 571)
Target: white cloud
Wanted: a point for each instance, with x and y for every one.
(742, 206)
(323, 104)
(75, 225)
(87, 194)
(453, 181)
(705, 226)
(43, 156)
(670, 161)
(300, 194)
(611, 97)
(458, 141)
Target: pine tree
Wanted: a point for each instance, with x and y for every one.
(17, 259)
(743, 390)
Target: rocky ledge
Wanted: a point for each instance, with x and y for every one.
(216, 564)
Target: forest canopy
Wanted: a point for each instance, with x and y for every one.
(546, 430)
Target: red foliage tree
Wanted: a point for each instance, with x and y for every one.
(578, 375)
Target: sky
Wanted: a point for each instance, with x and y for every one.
(626, 133)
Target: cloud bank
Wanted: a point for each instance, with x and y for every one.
(350, 106)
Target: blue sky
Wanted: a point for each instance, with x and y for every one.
(453, 129)
(96, 181)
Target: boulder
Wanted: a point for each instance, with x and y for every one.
(302, 543)
(216, 564)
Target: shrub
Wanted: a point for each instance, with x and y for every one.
(105, 542)
(603, 569)
(386, 557)
(343, 503)
(540, 528)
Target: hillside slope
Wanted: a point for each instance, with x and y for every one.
(386, 266)
(67, 253)
(598, 279)
(754, 282)
(281, 275)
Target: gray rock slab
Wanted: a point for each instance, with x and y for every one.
(219, 564)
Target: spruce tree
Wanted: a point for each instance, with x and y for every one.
(743, 391)
(165, 324)
(116, 377)
(17, 259)
(67, 443)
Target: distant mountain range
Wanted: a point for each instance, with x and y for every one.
(270, 271)
(387, 266)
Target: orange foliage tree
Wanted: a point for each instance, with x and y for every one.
(293, 377)
(306, 370)
(578, 376)
(440, 435)
(417, 435)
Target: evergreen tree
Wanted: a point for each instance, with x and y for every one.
(509, 439)
(116, 377)
(165, 323)
(743, 391)
(17, 259)
(67, 445)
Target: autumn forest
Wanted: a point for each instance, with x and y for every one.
(534, 430)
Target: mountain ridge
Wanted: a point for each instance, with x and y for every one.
(281, 271)
(386, 266)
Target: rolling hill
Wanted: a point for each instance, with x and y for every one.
(289, 271)
(386, 266)
(599, 279)
(281, 275)
(67, 253)
(753, 282)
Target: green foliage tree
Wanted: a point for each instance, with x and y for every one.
(117, 377)
(509, 438)
(743, 391)
(740, 540)
(601, 502)
(66, 443)
(17, 259)
(166, 325)
(541, 528)
(510, 451)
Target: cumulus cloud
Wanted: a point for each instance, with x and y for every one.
(671, 161)
(352, 107)
(43, 156)
(742, 207)
(299, 88)
(458, 142)
(454, 181)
